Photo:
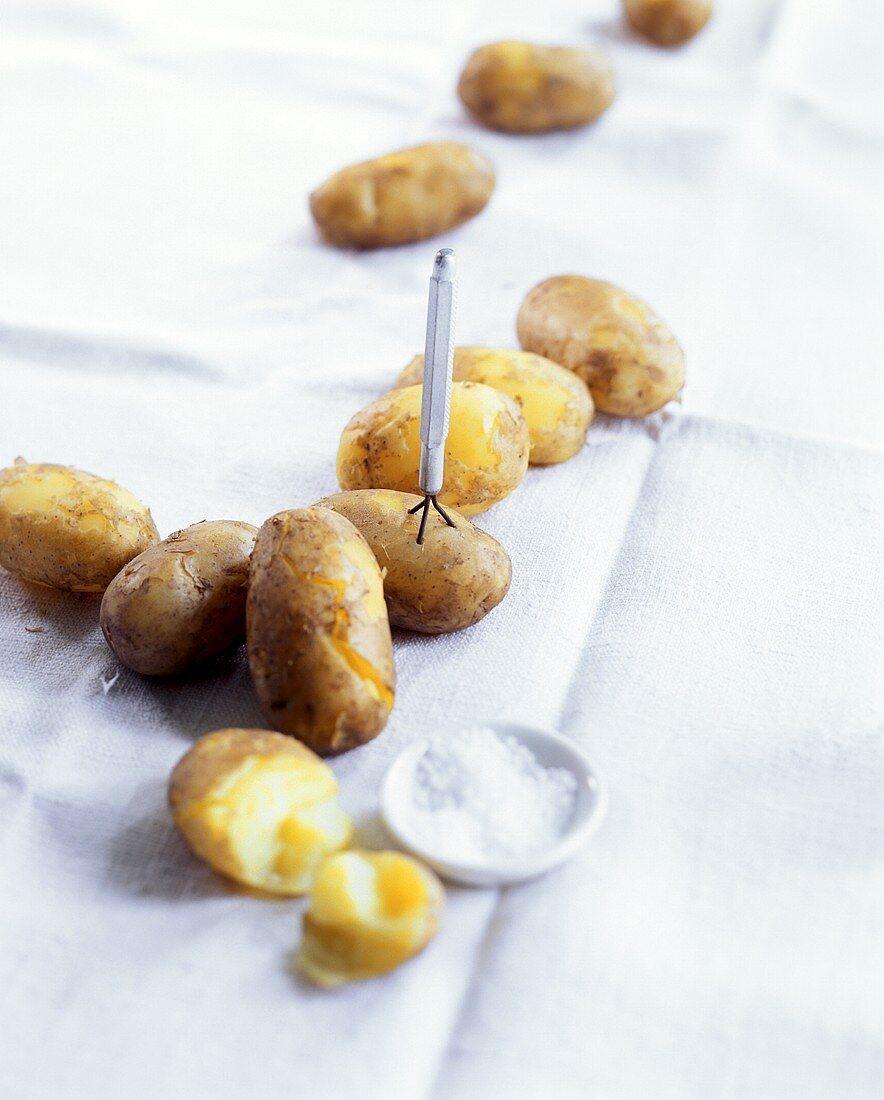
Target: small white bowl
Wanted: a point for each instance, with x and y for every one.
(551, 750)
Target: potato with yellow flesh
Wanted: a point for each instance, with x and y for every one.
(522, 88)
(486, 454)
(668, 22)
(556, 404)
(452, 580)
(67, 528)
(369, 912)
(258, 807)
(181, 602)
(403, 197)
(621, 349)
(317, 631)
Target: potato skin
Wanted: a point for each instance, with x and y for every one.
(449, 582)
(203, 803)
(627, 355)
(405, 196)
(318, 635)
(67, 528)
(181, 602)
(522, 88)
(486, 454)
(556, 404)
(668, 22)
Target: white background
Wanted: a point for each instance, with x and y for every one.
(696, 599)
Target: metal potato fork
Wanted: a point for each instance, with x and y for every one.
(436, 399)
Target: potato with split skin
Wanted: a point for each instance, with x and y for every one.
(258, 807)
(621, 349)
(67, 528)
(523, 88)
(486, 454)
(402, 197)
(668, 22)
(181, 602)
(556, 404)
(317, 630)
(451, 581)
(369, 912)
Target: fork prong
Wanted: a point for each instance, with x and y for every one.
(442, 512)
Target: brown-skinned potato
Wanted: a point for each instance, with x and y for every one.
(67, 528)
(523, 88)
(621, 349)
(402, 197)
(668, 22)
(318, 634)
(181, 602)
(449, 582)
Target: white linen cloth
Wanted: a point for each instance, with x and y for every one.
(696, 598)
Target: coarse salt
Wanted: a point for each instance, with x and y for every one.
(480, 795)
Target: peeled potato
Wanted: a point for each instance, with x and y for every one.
(67, 528)
(486, 454)
(668, 22)
(615, 342)
(556, 404)
(369, 912)
(448, 582)
(523, 88)
(259, 808)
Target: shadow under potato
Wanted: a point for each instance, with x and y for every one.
(148, 859)
(215, 695)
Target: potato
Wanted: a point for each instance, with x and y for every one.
(452, 580)
(527, 89)
(626, 355)
(555, 403)
(318, 635)
(668, 22)
(258, 807)
(369, 912)
(403, 197)
(66, 528)
(486, 454)
(182, 601)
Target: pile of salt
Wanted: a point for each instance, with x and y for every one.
(479, 795)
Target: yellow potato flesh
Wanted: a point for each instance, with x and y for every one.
(556, 404)
(269, 822)
(369, 912)
(380, 448)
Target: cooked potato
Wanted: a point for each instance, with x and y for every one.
(555, 403)
(452, 580)
(668, 22)
(258, 807)
(182, 601)
(619, 347)
(402, 197)
(527, 89)
(318, 635)
(66, 528)
(486, 454)
(369, 912)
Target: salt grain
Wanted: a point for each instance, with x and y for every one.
(480, 795)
